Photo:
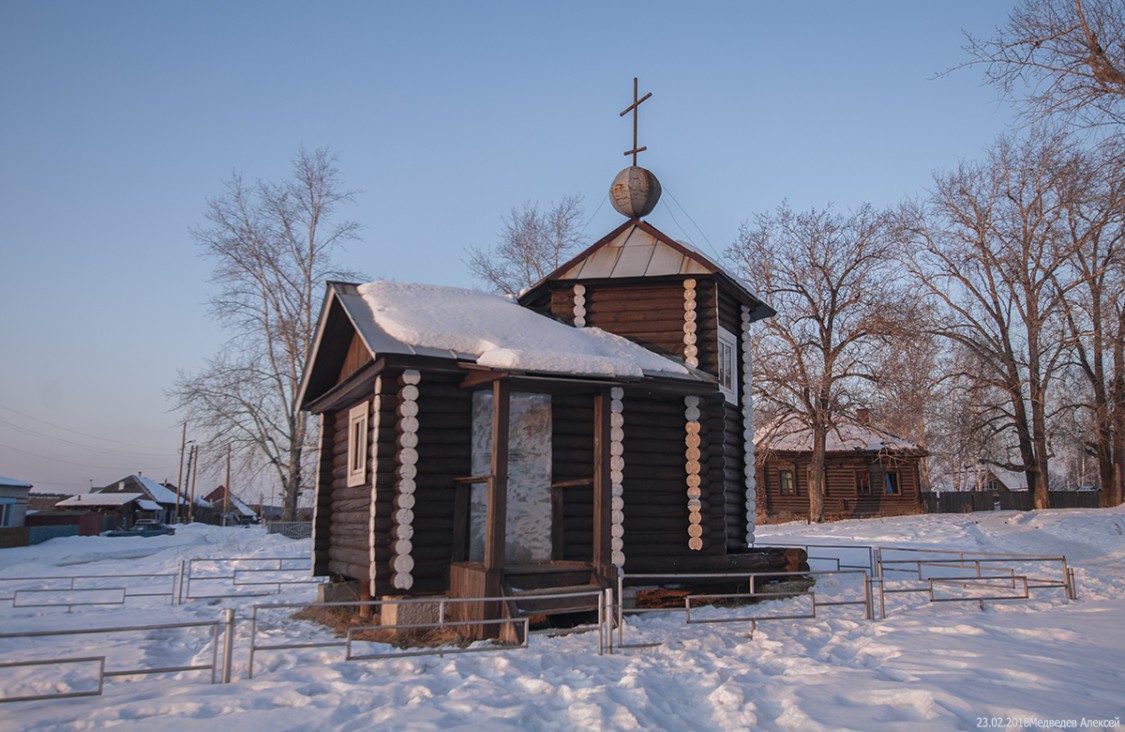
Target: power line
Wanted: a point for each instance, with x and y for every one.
(164, 451)
(697, 227)
(84, 434)
(67, 462)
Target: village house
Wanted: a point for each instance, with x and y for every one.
(478, 447)
(14, 495)
(868, 472)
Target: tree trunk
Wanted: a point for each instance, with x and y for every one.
(816, 476)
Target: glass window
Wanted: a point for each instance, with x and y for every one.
(785, 482)
(357, 445)
(862, 483)
(890, 483)
(728, 365)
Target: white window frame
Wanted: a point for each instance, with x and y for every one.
(728, 372)
(7, 512)
(357, 444)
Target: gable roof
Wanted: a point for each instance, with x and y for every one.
(637, 249)
(100, 499)
(471, 327)
(218, 496)
(151, 489)
(13, 482)
(788, 434)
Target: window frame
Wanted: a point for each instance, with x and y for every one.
(887, 483)
(862, 483)
(357, 444)
(727, 372)
(792, 473)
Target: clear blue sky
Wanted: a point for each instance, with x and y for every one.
(119, 119)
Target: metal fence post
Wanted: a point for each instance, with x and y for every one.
(228, 644)
(609, 618)
(180, 584)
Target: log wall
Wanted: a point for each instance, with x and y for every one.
(445, 427)
(322, 509)
(652, 315)
(572, 458)
(655, 481)
(734, 476)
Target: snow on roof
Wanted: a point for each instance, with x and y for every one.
(499, 333)
(241, 507)
(146, 505)
(100, 499)
(13, 483)
(163, 494)
(788, 434)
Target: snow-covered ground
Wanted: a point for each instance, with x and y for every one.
(1043, 663)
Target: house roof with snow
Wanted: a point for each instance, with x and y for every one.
(474, 328)
(789, 434)
(150, 488)
(218, 496)
(7, 482)
(99, 500)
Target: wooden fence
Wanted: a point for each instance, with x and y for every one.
(969, 501)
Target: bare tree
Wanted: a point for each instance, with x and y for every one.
(1066, 56)
(834, 284)
(272, 246)
(1095, 309)
(532, 245)
(991, 255)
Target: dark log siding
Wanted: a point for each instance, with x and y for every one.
(655, 480)
(706, 325)
(445, 426)
(652, 315)
(348, 531)
(562, 304)
(734, 476)
(842, 500)
(322, 514)
(572, 458)
(381, 472)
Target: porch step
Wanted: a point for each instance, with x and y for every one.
(537, 601)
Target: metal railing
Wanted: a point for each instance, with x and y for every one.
(969, 571)
(290, 529)
(443, 622)
(220, 673)
(863, 555)
(752, 580)
(244, 581)
(108, 589)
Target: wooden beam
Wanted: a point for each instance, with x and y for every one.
(477, 376)
(603, 489)
(496, 517)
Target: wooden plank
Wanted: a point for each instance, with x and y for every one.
(496, 513)
(603, 489)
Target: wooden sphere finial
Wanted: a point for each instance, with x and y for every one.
(634, 192)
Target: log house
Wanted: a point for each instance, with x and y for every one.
(602, 423)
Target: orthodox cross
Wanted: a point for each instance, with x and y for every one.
(633, 108)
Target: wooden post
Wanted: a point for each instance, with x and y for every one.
(191, 504)
(603, 488)
(226, 490)
(496, 516)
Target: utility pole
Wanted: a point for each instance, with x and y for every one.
(226, 490)
(180, 513)
(180, 475)
(194, 475)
